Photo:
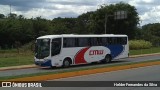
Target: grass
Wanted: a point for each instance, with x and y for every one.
(13, 58)
(145, 51)
(15, 61)
(71, 70)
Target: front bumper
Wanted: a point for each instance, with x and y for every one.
(46, 63)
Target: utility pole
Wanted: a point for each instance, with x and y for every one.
(10, 9)
(105, 24)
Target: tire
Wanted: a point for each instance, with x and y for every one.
(107, 59)
(53, 67)
(66, 63)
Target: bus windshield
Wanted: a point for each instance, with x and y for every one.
(42, 48)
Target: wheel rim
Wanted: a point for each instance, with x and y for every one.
(66, 63)
(107, 59)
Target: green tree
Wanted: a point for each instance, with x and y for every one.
(16, 28)
(84, 23)
(125, 26)
(151, 32)
(64, 25)
(2, 16)
(12, 16)
(41, 27)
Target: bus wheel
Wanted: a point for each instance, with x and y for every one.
(107, 59)
(66, 63)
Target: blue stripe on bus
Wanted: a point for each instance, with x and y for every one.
(115, 50)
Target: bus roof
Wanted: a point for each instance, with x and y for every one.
(75, 35)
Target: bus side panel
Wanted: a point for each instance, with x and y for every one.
(96, 53)
(71, 53)
(81, 55)
(118, 51)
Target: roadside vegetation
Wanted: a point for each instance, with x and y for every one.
(138, 47)
(139, 44)
(145, 51)
(14, 57)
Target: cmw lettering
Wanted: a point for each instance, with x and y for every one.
(96, 52)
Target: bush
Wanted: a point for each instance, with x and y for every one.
(28, 46)
(139, 44)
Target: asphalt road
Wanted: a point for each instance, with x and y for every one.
(149, 73)
(40, 70)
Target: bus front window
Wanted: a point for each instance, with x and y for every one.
(42, 48)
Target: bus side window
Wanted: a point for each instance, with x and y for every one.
(56, 46)
(124, 40)
(114, 39)
(99, 40)
(94, 41)
(104, 41)
(83, 42)
(69, 42)
(109, 40)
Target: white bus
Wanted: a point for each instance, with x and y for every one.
(65, 50)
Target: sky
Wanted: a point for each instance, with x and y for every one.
(148, 10)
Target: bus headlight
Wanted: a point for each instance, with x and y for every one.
(45, 60)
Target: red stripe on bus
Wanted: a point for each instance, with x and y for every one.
(79, 58)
